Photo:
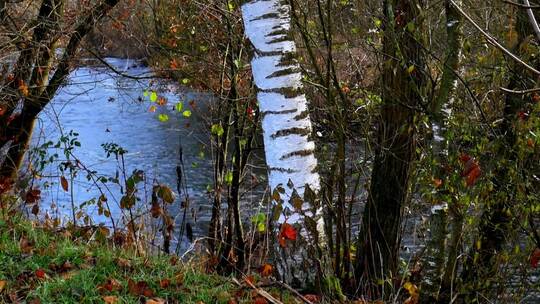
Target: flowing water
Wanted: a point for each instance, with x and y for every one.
(104, 107)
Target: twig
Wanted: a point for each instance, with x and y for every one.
(520, 92)
(532, 19)
(522, 5)
(261, 292)
(492, 40)
(295, 292)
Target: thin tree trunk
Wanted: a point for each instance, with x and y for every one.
(402, 86)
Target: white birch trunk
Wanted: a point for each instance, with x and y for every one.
(286, 130)
(286, 124)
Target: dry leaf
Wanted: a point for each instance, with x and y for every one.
(64, 183)
(110, 299)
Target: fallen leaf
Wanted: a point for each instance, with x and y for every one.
(260, 300)
(40, 273)
(140, 288)
(164, 283)
(25, 245)
(110, 299)
(2, 285)
(155, 301)
(124, 263)
(110, 285)
(312, 298)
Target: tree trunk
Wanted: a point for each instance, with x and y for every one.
(289, 148)
(17, 133)
(402, 86)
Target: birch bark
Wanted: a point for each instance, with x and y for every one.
(287, 131)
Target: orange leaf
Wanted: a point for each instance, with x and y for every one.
(2, 285)
(110, 299)
(64, 183)
(250, 279)
(266, 270)
(23, 88)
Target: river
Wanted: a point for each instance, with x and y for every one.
(103, 107)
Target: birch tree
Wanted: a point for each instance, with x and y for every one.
(286, 125)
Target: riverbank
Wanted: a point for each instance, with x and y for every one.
(41, 265)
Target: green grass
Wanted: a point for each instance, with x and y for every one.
(75, 270)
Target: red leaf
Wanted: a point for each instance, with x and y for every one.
(471, 171)
(40, 273)
(260, 300)
(535, 258)
(288, 232)
(312, 298)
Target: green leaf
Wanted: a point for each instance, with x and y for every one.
(217, 129)
(228, 178)
(163, 117)
(185, 81)
(153, 97)
(145, 93)
(187, 113)
(179, 106)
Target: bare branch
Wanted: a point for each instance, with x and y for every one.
(492, 40)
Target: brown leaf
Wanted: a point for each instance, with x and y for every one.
(155, 301)
(110, 299)
(32, 196)
(260, 300)
(313, 298)
(124, 263)
(140, 288)
(110, 285)
(26, 246)
(164, 283)
(64, 183)
(35, 209)
(2, 285)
